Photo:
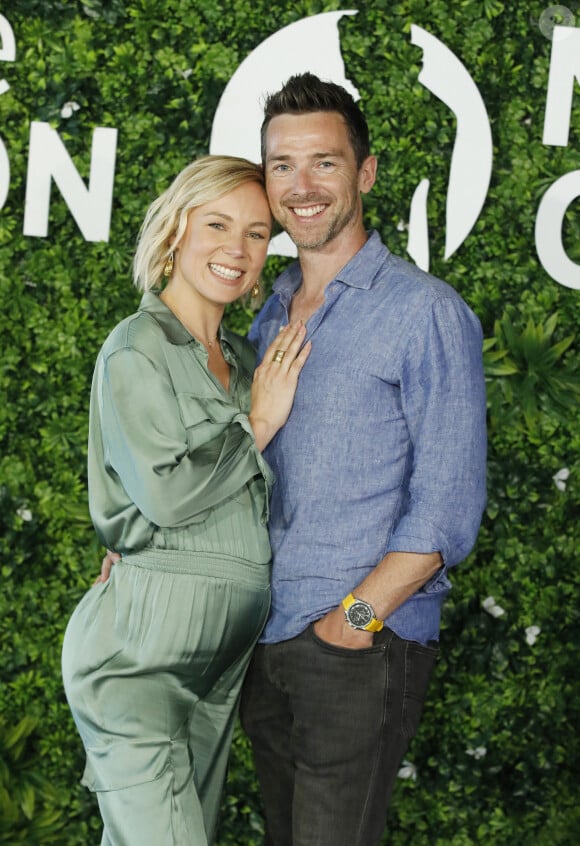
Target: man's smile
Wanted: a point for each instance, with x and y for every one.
(308, 211)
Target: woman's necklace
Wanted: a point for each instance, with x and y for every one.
(207, 343)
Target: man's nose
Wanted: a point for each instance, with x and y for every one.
(303, 181)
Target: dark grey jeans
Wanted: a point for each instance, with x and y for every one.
(329, 727)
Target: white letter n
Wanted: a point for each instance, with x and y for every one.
(48, 159)
(564, 67)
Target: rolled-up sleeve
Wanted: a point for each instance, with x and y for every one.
(443, 400)
(146, 443)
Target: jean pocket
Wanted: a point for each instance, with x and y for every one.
(333, 649)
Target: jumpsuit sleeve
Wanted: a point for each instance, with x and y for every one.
(172, 470)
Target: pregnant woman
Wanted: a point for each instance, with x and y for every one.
(154, 658)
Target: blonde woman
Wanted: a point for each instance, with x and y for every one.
(154, 658)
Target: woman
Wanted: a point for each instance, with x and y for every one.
(153, 658)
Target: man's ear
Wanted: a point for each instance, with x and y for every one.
(367, 174)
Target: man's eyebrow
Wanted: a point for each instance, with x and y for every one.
(330, 154)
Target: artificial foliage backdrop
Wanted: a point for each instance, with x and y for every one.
(498, 755)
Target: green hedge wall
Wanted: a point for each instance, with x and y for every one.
(497, 757)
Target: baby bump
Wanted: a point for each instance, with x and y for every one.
(192, 622)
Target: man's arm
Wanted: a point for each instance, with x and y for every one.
(443, 398)
(106, 565)
(397, 577)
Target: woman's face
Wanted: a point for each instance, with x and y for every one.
(224, 246)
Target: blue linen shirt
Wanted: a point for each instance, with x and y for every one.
(385, 447)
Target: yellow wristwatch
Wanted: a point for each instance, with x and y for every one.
(360, 615)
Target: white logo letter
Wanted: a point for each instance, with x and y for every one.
(564, 67)
(549, 230)
(48, 159)
(8, 49)
(4, 174)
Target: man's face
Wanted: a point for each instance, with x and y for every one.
(312, 179)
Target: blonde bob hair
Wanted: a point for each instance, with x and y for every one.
(204, 180)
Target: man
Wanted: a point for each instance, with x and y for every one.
(380, 485)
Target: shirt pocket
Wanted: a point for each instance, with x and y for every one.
(204, 418)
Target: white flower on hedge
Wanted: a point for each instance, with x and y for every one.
(492, 607)
(69, 108)
(532, 633)
(401, 226)
(478, 752)
(560, 478)
(408, 770)
(24, 513)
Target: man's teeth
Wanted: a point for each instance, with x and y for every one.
(309, 212)
(226, 272)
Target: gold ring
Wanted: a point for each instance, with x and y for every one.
(278, 356)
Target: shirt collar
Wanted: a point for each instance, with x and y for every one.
(175, 331)
(359, 272)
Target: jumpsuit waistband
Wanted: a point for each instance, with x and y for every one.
(193, 563)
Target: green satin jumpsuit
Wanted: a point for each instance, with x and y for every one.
(153, 659)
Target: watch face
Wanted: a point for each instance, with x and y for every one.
(360, 614)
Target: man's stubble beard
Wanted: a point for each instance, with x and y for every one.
(335, 227)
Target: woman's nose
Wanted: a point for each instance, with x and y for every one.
(234, 245)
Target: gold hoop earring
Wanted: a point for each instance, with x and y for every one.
(168, 269)
(256, 289)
